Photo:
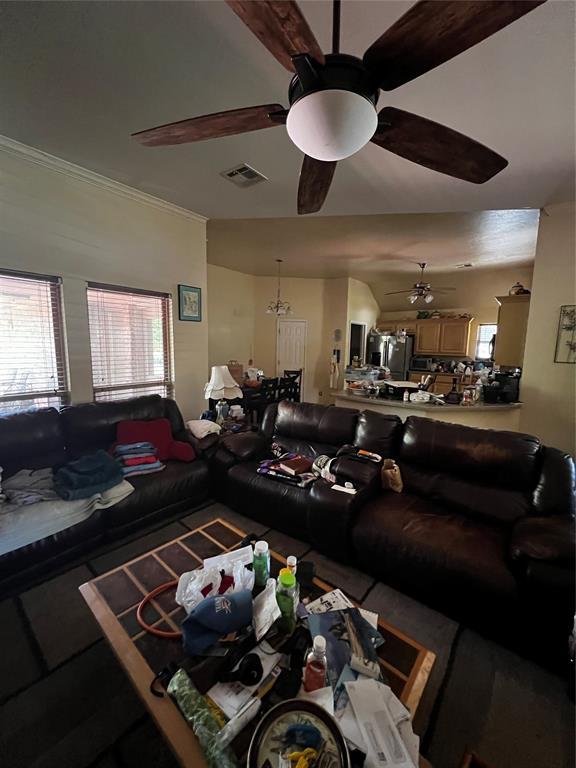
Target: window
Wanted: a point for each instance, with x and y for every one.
(32, 353)
(485, 333)
(130, 342)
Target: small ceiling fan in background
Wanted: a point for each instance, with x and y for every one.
(421, 290)
(333, 97)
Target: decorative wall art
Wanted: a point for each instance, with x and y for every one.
(566, 339)
(189, 303)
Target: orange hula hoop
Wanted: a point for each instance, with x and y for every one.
(150, 596)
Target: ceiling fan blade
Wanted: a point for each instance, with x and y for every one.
(280, 26)
(213, 126)
(315, 179)
(434, 31)
(443, 290)
(393, 293)
(435, 146)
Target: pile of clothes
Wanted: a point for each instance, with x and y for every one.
(137, 459)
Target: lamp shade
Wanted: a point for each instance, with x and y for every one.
(221, 385)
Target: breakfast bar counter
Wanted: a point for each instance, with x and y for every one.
(484, 415)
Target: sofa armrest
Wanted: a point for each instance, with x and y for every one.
(549, 539)
(331, 515)
(360, 473)
(246, 446)
(555, 492)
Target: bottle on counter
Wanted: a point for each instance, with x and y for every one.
(286, 599)
(315, 669)
(406, 396)
(261, 563)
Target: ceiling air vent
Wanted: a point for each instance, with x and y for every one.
(464, 266)
(243, 175)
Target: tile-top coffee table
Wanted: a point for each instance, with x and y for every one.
(114, 597)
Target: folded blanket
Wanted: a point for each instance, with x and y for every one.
(86, 476)
(146, 469)
(121, 449)
(20, 526)
(29, 486)
(138, 461)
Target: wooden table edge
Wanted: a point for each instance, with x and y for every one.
(170, 721)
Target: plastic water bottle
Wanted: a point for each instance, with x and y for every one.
(286, 599)
(315, 669)
(261, 563)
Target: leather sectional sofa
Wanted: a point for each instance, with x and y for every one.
(483, 530)
(47, 438)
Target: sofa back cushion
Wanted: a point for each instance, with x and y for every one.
(378, 432)
(31, 440)
(91, 426)
(479, 472)
(313, 429)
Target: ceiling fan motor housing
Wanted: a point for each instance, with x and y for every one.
(332, 106)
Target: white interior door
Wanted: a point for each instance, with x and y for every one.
(291, 348)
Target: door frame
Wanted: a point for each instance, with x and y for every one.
(305, 366)
(349, 344)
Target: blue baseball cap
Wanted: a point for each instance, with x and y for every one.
(215, 617)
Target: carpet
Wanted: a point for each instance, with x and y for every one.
(506, 709)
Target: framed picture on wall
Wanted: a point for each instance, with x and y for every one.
(566, 338)
(189, 303)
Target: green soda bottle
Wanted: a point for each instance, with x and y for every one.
(286, 599)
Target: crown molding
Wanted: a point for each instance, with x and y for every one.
(58, 165)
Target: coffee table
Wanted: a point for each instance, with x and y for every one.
(114, 597)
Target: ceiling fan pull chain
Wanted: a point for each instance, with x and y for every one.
(336, 26)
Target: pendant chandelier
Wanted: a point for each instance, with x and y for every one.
(277, 306)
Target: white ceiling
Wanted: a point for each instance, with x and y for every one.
(368, 247)
(76, 78)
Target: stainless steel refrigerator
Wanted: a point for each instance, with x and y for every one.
(391, 353)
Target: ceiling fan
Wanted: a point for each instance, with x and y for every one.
(333, 97)
(421, 290)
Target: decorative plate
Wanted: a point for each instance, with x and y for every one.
(290, 727)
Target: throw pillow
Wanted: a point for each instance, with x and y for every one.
(157, 432)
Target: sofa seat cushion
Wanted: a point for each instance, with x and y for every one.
(446, 558)
(268, 501)
(178, 483)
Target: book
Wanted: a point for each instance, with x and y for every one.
(296, 466)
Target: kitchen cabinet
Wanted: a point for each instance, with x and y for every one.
(511, 333)
(445, 336)
(454, 337)
(389, 327)
(427, 337)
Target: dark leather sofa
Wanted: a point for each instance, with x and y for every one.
(483, 530)
(47, 438)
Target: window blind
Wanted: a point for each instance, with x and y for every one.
(33, 371)
(130, 342)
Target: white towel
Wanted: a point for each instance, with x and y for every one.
(202, 427)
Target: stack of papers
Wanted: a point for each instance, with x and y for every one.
(384, 725)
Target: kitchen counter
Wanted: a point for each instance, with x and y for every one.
(485, 415)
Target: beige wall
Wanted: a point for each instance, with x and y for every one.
(549, 388)
(59, 220)
(475, 292)
(231, 316)
(306, 297)
(240, 328)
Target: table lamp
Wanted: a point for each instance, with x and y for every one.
(221, 387)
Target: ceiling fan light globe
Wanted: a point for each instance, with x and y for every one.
(428, 298)
(412, 298)
(331, 124)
